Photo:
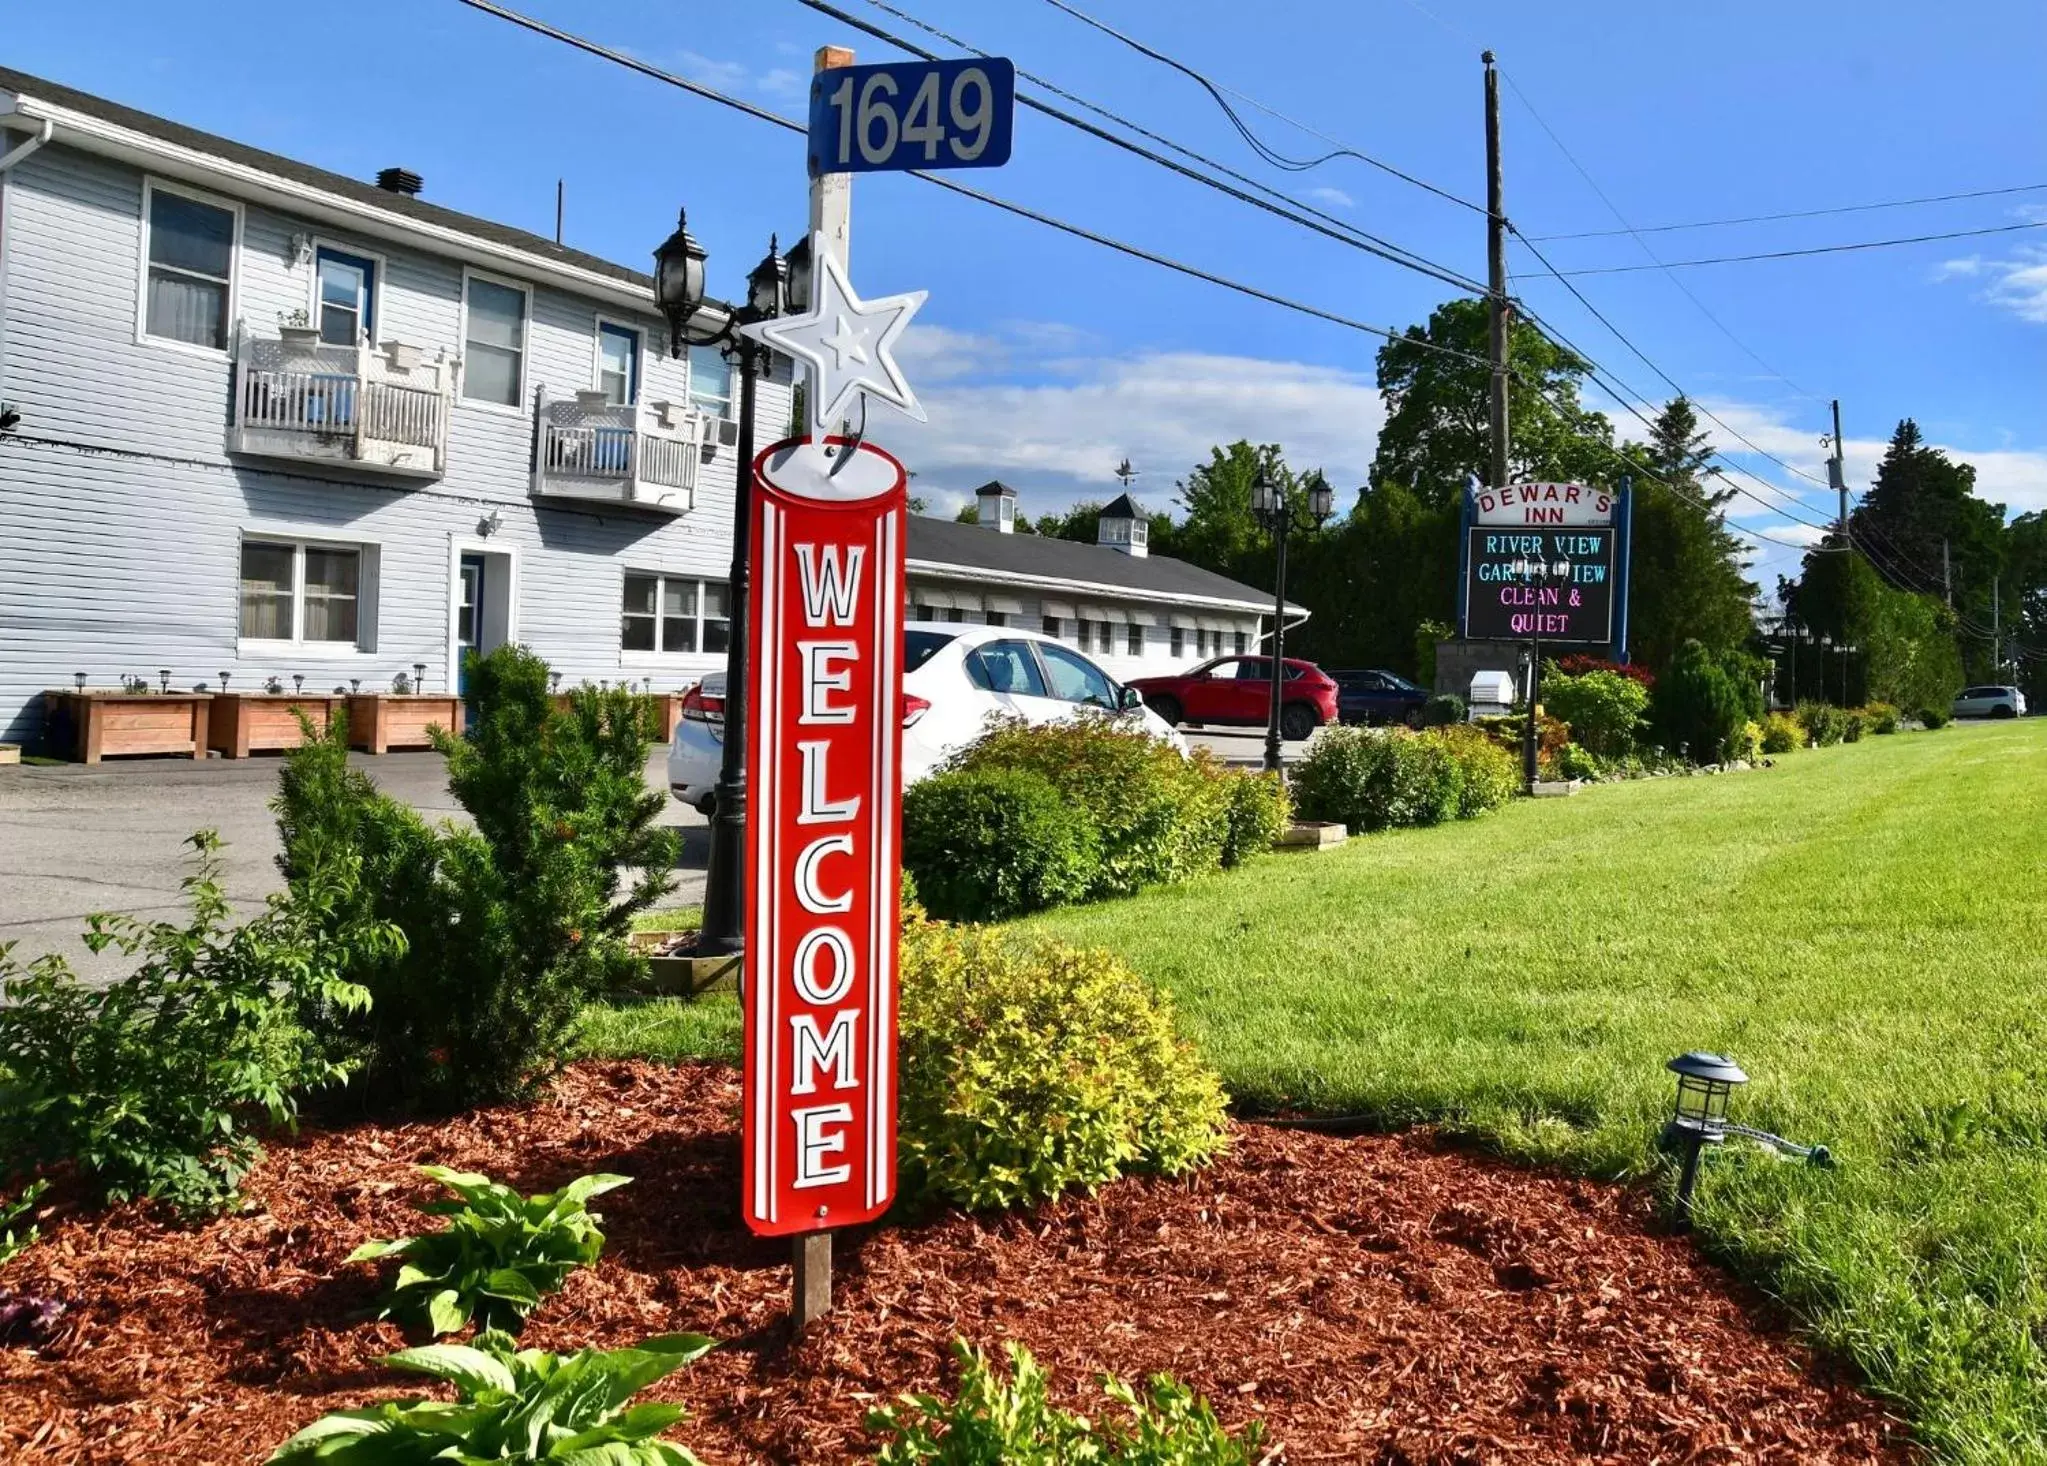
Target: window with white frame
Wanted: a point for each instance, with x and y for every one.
(302, 593)
(1243, 643)
(710, 381)
(1179, 645)
(1134, 644)
(190, 282)
(674, 613)
(494, 342)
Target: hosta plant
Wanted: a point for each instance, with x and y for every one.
(499, 1255)
(514, 1405)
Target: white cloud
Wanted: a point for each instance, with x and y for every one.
(1059, 440)
(736, 76)
(1336, 198)
(2017, 283)
(929, 353)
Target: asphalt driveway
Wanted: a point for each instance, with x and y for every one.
(75, 839)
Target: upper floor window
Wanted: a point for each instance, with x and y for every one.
(494, 343)
(710, 381)
(618, 363)
(301, 593)
(191, 270)
(347, 303)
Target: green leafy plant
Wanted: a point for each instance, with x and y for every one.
(514, 1405)
(1853, 725)
(1028, 1067)
(512, 926)
(1782, 733)
(1488, 775)
(499, 1255)
(1442, 710)
(1701, 704)
(1373, 780)
(1825, 723)
(1934, 717)
(150, 1085)
(1882, 718)
(20, 1213)
(983, 844)
(993, 1421)
(1574, 762)
(1606, 710)
(1259, 809)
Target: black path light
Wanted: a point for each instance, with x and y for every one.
(164, 679)
(777, 285)
(79, 678)
(1280, 510)
(419, 676)
(1705, 1082)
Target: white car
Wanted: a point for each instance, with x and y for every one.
(1990, 702)
(955, 677)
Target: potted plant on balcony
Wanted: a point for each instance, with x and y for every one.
(297, 331)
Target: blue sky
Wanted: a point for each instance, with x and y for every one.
(1044, 359)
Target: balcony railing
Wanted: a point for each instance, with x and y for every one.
(297, 397)
(591, 449)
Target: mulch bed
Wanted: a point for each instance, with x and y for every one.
(1372, 1300)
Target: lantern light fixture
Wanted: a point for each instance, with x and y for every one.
(419, 677)
(355, 684)
(1699, 1119)
(79, 678)
(298, 682)
(163, 675)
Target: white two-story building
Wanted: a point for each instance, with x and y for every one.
(274, 422)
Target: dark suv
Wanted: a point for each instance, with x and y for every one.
(1374, 696)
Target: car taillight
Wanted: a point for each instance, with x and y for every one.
(914, 707)
(701, 707)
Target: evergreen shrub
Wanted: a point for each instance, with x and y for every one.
(1368, 779)
(1935, 717)
(1825, 722)
(1442, 710)
(984, 844)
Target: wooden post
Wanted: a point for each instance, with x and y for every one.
(811, 1296)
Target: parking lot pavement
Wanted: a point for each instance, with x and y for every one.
(1243, 746)
(75, 839)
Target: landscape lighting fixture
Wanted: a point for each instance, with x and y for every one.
(355, 684)
(298, 682)
(79, 678)
(223, 682)
(419, 677)
(1704, 1083)
(164, 677)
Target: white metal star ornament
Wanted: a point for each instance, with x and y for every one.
(845, 345)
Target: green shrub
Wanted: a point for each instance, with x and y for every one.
(1748, 743)
(1373, 780)
(1881, 718)
(1933, 717)
(1012, 1422)
(514, 1405)
(1488, 775)
(512, 926)
(1442, 710)
(20, 1213)
(1701, 706)
(1574, 762)
(1028, 1068)
(984, 844)
(1259, 811)
(1605, 709)
(1823, 721)
(1158, 817)
(1853, 725)
(1782, 733)
(150, 1084)
(499, 1255)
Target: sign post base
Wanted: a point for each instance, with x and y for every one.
(811, 1298)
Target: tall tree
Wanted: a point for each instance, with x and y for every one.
(1921, 505)
(1436, 382)
(1687, 580)
(1220, 532)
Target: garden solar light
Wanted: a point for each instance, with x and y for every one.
(79, 678)
(355, 684)
(554, 681)
(298, 682)
(1704, 1082)
(223, 682)
(164, 676)
(419, 676)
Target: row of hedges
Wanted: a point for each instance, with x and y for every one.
(1369, 779)
(1036, 815)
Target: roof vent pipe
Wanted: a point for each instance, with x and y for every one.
(400, 180)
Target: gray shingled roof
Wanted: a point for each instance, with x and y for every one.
(972, 547)
(396, 204)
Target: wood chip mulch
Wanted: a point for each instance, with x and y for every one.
(1372, 1300)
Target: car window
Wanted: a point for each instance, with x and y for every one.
(1294, 674)
(1254, 669)
(1227, 667)
(920, 647)
(1074, 678)
(1005, 666)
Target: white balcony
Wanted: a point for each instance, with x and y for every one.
(299, 398)
(600, 452)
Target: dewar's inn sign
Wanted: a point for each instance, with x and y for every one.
(1579, 525)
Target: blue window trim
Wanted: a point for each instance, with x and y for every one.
(369, 275)
(633, 339)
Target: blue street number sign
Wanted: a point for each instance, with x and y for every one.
(912, 114)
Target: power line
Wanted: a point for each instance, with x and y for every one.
(1824, 249)
(1258, 145)
(1343, 233)
(1932, 198)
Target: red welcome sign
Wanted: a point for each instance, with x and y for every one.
(824, 784)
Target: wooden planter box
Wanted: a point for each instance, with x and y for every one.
(119, 724)
(243, 723)
(381, 721)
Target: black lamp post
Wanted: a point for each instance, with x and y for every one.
(776, 285)
(1704, 1081)
(1846, 651)
(1826, 646)
(1280, 511)
(1538, 575)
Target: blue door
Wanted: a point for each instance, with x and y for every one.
(468, 627)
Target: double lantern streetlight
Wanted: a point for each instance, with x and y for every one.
(1538, 575)
(780, 284)
(1280, 509)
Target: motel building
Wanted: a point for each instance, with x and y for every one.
(276, 422)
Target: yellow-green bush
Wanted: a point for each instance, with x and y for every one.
(1488, 774)
(1259, 808)
(1029, 1068)
(1782, 733)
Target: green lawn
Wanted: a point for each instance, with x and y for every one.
(1864, 928)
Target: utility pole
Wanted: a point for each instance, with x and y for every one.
(1496, 271)
(1996, 627)
(1837, 472)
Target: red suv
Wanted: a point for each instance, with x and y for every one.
(1238, 690)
